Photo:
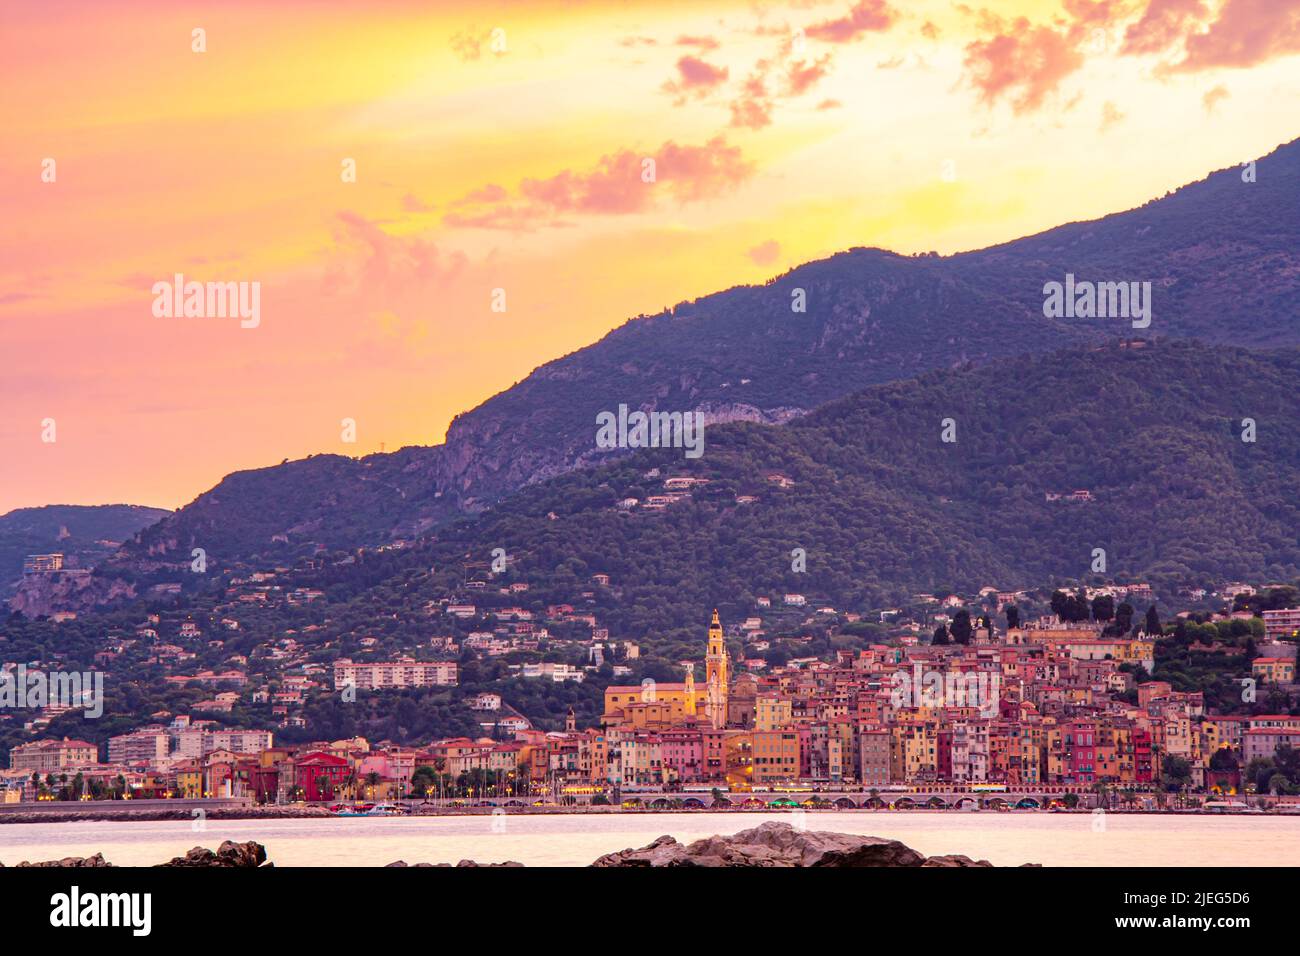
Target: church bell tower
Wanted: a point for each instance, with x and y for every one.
(717, 678)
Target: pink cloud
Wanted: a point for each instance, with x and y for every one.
(765, 253)
(695, 77)
(1242, 33)
(1246, 32)
(1093, 13)
(702, 172)
(387, 260)
(1022, 60)
(752, 109)
(865, 16)
(701, 42)
(1163, 24)
(618, 185)
(413, 203)
(801, 76)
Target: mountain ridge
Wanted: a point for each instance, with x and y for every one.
(1222, 254)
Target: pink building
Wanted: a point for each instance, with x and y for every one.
(682, 753)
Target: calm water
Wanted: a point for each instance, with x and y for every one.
(1007, 839)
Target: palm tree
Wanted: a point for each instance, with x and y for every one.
(440, 765)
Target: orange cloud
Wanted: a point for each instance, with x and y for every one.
(702, 42)
(468, 45)
(1110, 115)
(1212, 97)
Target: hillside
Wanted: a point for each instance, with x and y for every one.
(1221, 255)
(84, 534)
(884, 509)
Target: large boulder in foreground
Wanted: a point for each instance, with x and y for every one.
(776, 844)
(229, 854)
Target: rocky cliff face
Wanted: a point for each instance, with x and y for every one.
(76, 591)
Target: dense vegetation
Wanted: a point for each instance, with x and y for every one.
(883, 508)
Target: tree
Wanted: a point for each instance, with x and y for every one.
(1153, 628)
(1071, 608)
(1176, 774)
(1123, 617)
(961, 629)
(1224, 760)
(940, 636)
(1103, 608)
(1059, 602)
(1013, 616)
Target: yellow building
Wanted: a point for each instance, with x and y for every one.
(189, 780)
(1273, 670)
(738, 753)
(658, 702)
(772, 713)
(914, 751)
(775, 756)
(655, 705)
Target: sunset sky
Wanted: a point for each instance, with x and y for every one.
(502, 146)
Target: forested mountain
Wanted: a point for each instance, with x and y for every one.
(883, 507)
(1222, 255)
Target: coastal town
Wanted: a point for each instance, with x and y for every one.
(985, 710)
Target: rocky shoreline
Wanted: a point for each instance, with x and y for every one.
(771, 844)
(229, 855)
